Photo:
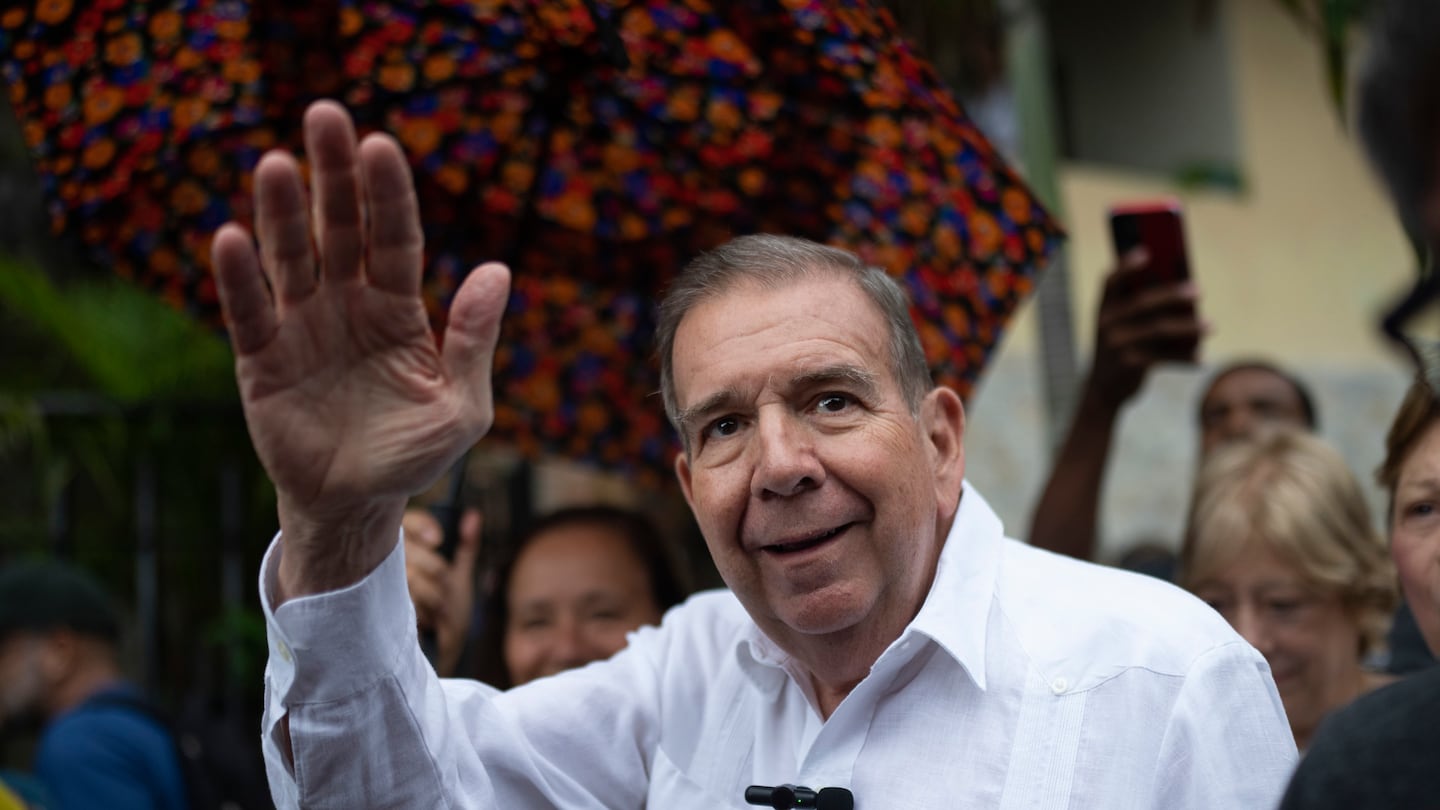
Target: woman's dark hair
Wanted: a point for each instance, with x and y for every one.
(667, 586)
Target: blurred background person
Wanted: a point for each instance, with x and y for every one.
(573, 587)
(1380, 751)
(1140, 326)
(59, 669)
(1250, 395)
(1411, 474)
(1280, 542)
(443, 589)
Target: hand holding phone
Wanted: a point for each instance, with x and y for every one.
(1158, 227)
(1148, 311)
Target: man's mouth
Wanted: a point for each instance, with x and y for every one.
(807, 542)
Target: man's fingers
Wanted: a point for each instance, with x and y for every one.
(282, 224)
(396, 250)
(425, 562)
(467, 553)
(1123, 278)
(421, 527)
(425, 591)
(1173, 339)
(473, 329)
(1162, 301)
(243, 297)
(335, 184)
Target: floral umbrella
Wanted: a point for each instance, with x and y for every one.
(593, 145)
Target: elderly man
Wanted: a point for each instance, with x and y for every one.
(881, 636)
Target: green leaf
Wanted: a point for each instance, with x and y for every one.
(132, 346)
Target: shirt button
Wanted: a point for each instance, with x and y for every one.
(1059, 685)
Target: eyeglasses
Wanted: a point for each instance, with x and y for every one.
(1415, 324)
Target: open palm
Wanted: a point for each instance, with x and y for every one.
(351, 403)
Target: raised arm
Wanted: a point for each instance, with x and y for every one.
(1138, 326)
(351, 402)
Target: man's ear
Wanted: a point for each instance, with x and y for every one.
(682, 472)
(942, 417)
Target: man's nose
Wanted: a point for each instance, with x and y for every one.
(1239, 424)
(787, 463)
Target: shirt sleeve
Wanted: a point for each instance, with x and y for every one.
(356, 717)
(1228, 743)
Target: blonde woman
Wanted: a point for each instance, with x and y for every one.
(1280, 541)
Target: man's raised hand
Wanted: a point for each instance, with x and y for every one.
(351, 404)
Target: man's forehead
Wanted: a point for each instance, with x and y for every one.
(1246, 383)
(814, 292)
(715, 319)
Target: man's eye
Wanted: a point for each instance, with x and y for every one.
(1267, 408)
(722, 427)
(833, 403)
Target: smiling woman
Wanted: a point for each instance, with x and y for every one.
(577, 583)
(1280, 541)
(1411, 474)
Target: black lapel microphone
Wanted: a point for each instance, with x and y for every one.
(784, 796)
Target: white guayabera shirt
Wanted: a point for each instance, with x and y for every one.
(1027, 680)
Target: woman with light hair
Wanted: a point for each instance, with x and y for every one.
(1281, 542)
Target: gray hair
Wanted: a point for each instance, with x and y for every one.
(1398, 115)
(773, 262)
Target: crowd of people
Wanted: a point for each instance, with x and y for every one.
(880, 637)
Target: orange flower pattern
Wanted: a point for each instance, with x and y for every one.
(529, 144)
(139, 116)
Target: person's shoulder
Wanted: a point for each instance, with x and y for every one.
(109, 715)
(1066, 608)
(1376, 752)
(1404, 712)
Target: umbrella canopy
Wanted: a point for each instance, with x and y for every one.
(593, 145)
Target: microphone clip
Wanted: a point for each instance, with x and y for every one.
(782, 797)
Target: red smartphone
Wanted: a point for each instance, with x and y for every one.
(1158, 225)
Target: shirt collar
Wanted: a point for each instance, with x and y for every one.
(955, 614)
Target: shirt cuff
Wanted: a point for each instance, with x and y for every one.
(329, 646)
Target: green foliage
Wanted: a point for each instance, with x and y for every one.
(130, 345)
(1210, 175)
(109, 392)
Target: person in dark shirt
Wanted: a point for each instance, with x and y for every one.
(59, 670)
(1379, 752)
